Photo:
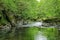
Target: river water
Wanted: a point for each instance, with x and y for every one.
(40, 36)
(36, 24)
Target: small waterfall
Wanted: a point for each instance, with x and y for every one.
(32, 24)
(36, 24)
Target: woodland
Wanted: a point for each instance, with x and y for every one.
(14, 13)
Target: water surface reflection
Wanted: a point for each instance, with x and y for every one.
(40, 36)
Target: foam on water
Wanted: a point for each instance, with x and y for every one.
(37, 24)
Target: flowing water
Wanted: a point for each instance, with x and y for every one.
(32, 24)
(19, 34)
(36, 24)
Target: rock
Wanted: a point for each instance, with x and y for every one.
(5, 28)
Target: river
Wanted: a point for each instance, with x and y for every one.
(40, 36)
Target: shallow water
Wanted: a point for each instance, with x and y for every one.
(37, 24)
(40, 36)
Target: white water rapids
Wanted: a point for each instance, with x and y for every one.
(37, 24)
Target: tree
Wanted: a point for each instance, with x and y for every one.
(47, 9)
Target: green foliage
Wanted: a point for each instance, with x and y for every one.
(31, 9)
(47, 9)
(9, 4)
(27, 9)
(3, 21)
